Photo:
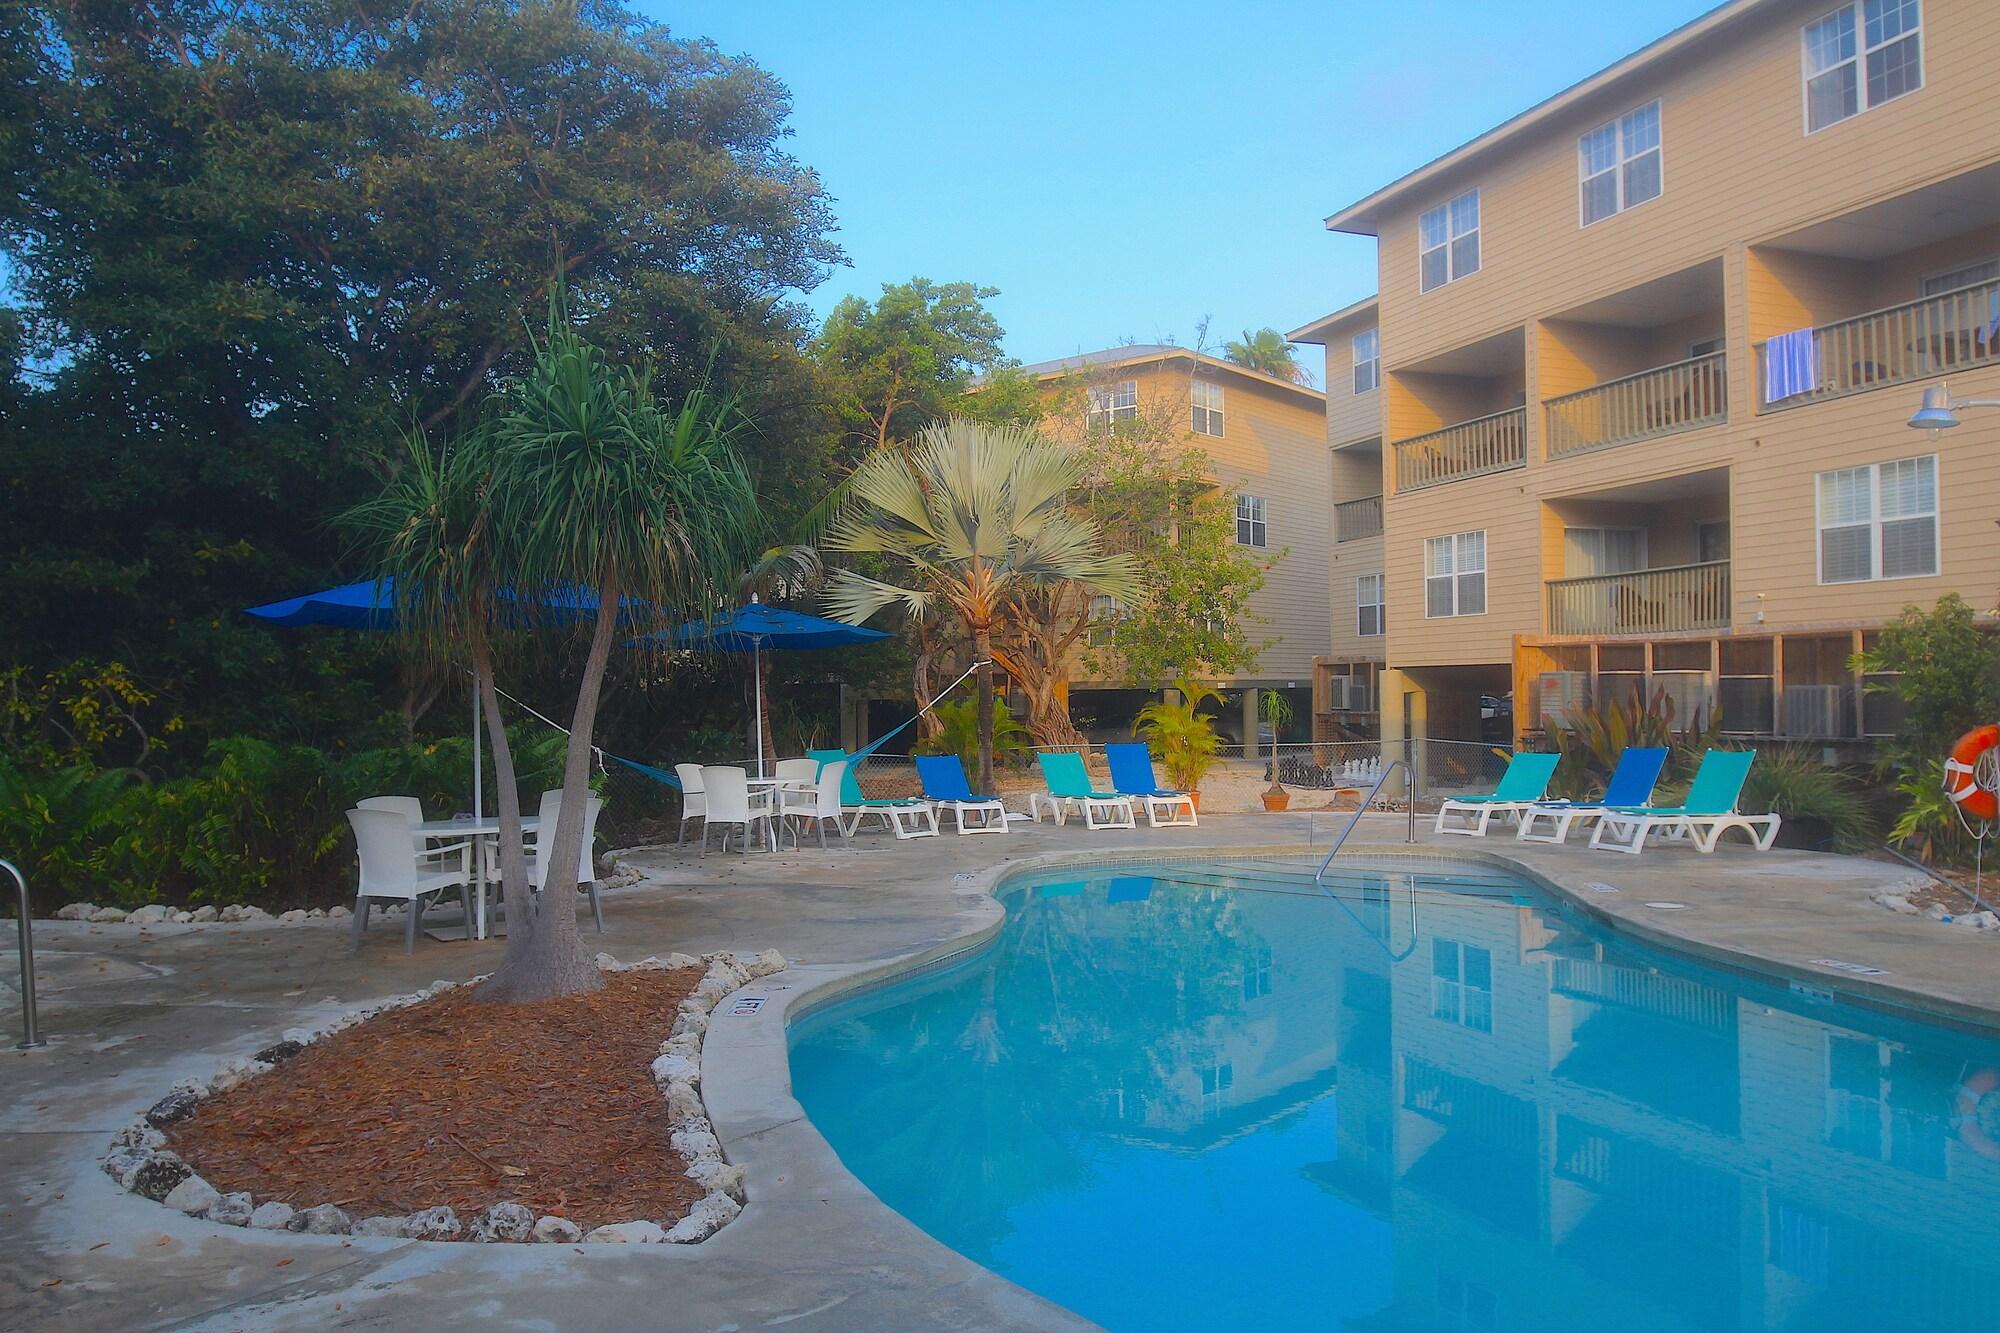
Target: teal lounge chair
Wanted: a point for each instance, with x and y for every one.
(1631, 784)
(906, 817)
(1069, 785)
(1526, 778)
(1708, 812)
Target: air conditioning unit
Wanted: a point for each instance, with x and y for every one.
(1561, 695)
(1692, 694)
(1347, 695)
(1818, 711)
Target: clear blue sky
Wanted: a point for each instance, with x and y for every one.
(1121, 169)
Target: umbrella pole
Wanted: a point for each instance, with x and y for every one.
(757, 684)
(478, 761)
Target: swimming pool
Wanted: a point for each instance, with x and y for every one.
(1212, 1096)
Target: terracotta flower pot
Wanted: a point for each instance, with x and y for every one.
(1194, 795)
(1276, 799)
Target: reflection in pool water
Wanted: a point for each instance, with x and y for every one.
(1212, 1096)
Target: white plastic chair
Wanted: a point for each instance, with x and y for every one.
(817, 803)
(730, 804)
(586, 863)
(390, 870)
(796, 770)
(694, 800)
(412, 809)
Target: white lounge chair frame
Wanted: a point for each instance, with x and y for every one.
(1563, 817)
(921, 817)
(1627, 832)
(1179, 800)
(1117, 810)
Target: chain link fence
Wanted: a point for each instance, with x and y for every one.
(639, 810)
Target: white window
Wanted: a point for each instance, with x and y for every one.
(1368, 605)
(1618, 163)
(1104, 613)
(1462, 984)
(1859, 56)
(1250, 528)
(1455, 575)
(1367, 360)
(1967, 275)
(1111, 403)
(1879, 521)
(1448, 241)
(1207, 399)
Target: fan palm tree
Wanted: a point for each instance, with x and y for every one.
(576, 482)
(973, 515)
(1265, 350)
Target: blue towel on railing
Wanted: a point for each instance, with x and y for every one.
(1791, 365)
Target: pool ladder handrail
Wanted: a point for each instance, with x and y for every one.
(1410, 804)
(31, 1037)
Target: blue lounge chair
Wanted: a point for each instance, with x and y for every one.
(945, 787)
(1708, 812)
(1068, 785)
(1526, 778)
(906, 817)
(1631, 785)
(1132, 775)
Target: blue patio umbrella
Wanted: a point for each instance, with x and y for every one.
(756, 628)
(371, 605)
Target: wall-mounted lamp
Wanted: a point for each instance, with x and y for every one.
(1939, 411)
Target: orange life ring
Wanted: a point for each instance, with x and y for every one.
(1960, 781)
(1970, 1093)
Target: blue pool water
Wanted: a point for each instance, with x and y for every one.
(1211, 1096)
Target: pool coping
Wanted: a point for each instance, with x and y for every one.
(763, 1127)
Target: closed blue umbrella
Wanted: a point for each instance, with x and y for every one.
(757, 628)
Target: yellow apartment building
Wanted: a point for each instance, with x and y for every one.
(1647, 354)
(1266, 441)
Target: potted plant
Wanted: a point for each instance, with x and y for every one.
(1275, 710)
(1182, 738)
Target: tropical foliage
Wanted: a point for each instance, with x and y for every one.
(1182, 737)
(1265, 350)
(1797, 783)
(975, 519)
(959, 734)
(1591, 744)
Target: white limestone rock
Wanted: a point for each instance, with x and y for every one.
(717, 1176)
(694, 1140)
(627, 1233)
(182, 917)
(675, 1069)
(192, 1196)
(684, 1104)
(295, 917)
(1938, 912)
(275, 1216)
(1977, 921)
(606, 963)
(140, 1137)
(326, 1220)
(105, 916)
(339, 913)
(254, 913)
(1896, 902)
(395, 1227)
(710, 1214)
(232, 913)
(502, 1222)
(76, 911)
(766, 963)
(123, 1162)
(152, 914)
(687, 1044)
(680, 960)
(231, 1210)
(439, 1223)
(204, 914)
(554, 1230)
(315, 914)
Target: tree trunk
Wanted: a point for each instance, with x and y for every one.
(552, 962)
(982, 651)
(763, 683)
(920, 682)
(513, 860)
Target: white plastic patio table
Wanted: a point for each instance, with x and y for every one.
(772, 785)
(487, 832)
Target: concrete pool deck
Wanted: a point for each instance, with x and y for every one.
(128, 1011)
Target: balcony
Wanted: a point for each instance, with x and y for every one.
(1356, 519)
(1663, 401)
(1897, 344)
(1472, 448)
(1643, 601)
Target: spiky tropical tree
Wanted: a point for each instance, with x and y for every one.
(577, 490)
(973, 516)
(1265, 350)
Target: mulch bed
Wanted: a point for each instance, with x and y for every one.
(454, 1101)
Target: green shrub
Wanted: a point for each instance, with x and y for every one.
(1793, 782)
(1590, 748)
(960, 736)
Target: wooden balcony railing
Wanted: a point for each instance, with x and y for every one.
(1469, 449)
(1905, 342)
(1645, 601)
(1355, 519)
(1683, 396)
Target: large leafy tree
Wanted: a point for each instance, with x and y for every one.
(578, 486)
(975, 518)
(1265, 350)
(255, 241)
(903, 361)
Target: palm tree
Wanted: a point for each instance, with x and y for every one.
(578, 483)
(974, 515)
(1265, 350)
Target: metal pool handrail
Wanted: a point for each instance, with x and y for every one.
(1319, 876)
(31, 1037)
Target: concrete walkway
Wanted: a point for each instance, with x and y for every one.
(129, 1011)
